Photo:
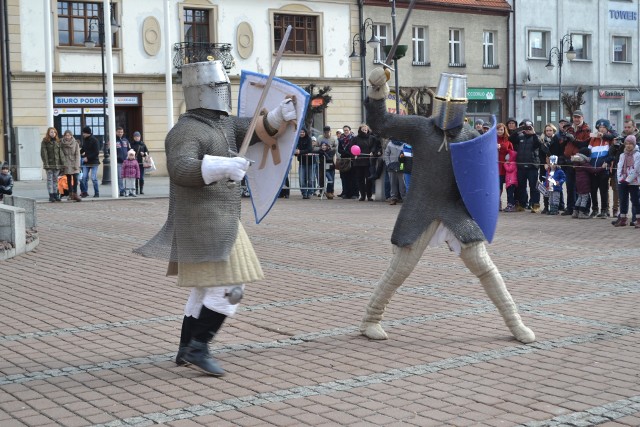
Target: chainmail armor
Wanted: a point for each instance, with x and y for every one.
(433, 193)
(202, 222)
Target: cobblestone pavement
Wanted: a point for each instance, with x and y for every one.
(89, 331)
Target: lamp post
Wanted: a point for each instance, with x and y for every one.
(361, 53)
(558, 53)
(98, 21)
(395, 60)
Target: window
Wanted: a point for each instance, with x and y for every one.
(489, 50)
(581, 45)
(621, 49)
(382, 32)
(455, 48)
(76, 20)
(538, 44)
(196, 26)
(419, 40)
(304, 33)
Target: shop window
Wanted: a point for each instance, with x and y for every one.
(77, 19)
(304, 33)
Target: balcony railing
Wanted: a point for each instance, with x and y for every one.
(187, 53)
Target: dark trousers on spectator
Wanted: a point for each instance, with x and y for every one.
(365, 184)
(625, 191)
(600, 183)
(613, 179)
(570, 173)
(347, 183)
(511, 195)
(530, 176)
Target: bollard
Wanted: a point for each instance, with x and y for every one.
(106, 170)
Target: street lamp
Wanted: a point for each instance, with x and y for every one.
(97, 21)
(558, 53)
(395, 60)
(361, 53)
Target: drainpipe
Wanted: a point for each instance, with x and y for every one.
(363, 64)
(7, 106)
(515, 46)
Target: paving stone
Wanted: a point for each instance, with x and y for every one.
(101, 348)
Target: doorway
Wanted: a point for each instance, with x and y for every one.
(544, 112)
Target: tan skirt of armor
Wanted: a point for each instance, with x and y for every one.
(242, 266)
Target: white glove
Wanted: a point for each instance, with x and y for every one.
(378, 79)
(284, 112)
(216, 168)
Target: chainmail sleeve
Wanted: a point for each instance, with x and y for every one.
(433, 193)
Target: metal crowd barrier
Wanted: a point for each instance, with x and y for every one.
(312, 162)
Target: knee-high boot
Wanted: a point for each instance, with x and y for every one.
(141, 186)
(402, 264)
(477, 260)
(185, 337)
(137, 180)
(204, 329)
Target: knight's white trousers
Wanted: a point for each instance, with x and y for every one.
(213, 298)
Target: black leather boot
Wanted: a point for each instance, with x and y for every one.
(204, 329)
(198, 355)
(141, 187)
(52, 197)
(185, 337)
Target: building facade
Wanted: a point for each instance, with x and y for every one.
(465, 36)
(603, 36)
(317, 53)
(459, 37)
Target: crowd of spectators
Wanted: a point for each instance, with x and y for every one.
(567, 169)
(361, 158)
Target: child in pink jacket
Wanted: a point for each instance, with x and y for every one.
(510, 179)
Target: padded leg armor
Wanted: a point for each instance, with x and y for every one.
(204, 329)
(402, 264)
(477, 260)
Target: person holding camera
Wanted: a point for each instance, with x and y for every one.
(576, 136)
(547, 139)
(527, 144)
(600, 156)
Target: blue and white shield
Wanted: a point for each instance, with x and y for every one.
(475, 166)
(268, 171)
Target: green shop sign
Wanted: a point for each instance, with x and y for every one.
(479, 93)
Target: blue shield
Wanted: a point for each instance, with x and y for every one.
(475, 166)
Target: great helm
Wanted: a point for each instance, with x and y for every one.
(206, 85)
(450, 101)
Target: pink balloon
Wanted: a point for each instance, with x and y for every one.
(355, 150)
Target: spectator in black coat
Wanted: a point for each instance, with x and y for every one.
(527, 144)
(90, 153)
(305, 163)
(370, 147)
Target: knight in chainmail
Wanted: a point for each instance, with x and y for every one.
(434, 211)
(203, 238)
